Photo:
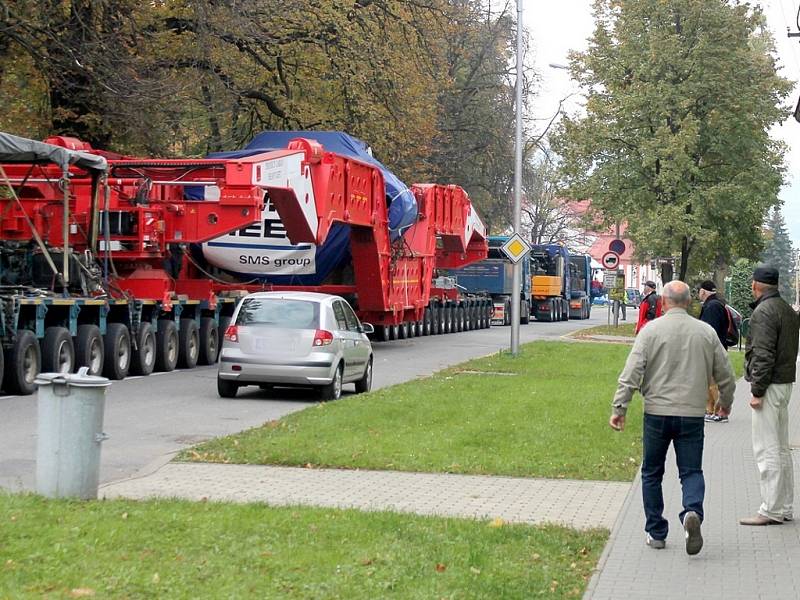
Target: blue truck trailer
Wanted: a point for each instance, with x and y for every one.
(494, 276)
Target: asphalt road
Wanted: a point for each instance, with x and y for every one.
(150, 418)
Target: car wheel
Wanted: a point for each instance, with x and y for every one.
(58, 352)
(23, 363)
(89, 351)
(333, 391)
(144, 357)
(227, 389)
(117, 351)
(364, 384)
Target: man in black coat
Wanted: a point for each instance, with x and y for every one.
(715, 314)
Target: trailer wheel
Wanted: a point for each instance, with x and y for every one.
(394, 331)
(166, 345)
(209, 341)
(89, 350)
(188, 344)
(435, 320)
(143, 360)
(427, 324)
(402, 332)
(117, 346)
(23, 363)
(525, 318)
(58, 351)
(382, 333)
(227, 389)
(458, 316)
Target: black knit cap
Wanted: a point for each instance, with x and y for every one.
(650, 284)
(708, 286)
(765, 274)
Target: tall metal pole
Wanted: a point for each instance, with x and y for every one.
(517, 271)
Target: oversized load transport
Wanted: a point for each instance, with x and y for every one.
(95, 268)
(391, 268)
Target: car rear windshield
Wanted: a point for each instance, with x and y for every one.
(279, 312)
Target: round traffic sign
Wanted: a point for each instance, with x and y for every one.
(617, 246)
(610, 260)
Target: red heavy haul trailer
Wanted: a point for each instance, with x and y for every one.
(394, 281)
(94, 267)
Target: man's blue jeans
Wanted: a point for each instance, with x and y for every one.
(686, 434)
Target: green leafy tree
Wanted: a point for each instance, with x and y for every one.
(680, 96)
(779, 253)
(741, 296)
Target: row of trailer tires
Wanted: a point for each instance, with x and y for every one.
(114, 355)
(438, 320)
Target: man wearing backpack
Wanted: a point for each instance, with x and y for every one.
(770, 366)
(715, 313)
(650, 308)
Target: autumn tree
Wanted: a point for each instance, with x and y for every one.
(680, 96)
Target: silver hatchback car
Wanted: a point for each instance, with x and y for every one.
(295, 339)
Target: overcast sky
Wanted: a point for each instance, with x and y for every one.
(558, 27)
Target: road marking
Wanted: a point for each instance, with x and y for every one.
(135, 377)
(7, 397)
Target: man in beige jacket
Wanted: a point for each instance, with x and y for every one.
(672, 363)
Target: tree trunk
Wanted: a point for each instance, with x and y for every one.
(666, 272)
(720, 273)
(686, 248)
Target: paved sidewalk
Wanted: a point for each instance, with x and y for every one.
(747, 563)
(578, 504)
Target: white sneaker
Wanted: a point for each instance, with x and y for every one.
(654, 543)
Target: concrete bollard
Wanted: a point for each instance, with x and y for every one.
(70, 431)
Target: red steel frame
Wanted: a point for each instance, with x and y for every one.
(393, 280)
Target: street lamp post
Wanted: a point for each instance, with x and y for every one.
(517, 269)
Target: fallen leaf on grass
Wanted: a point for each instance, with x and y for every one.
(440, 567)
(475, 570)
(81, 593)
(124, 516)
(156, 578)
(367, 561)
(497, 522)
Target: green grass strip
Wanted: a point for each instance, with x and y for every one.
(542, 414)
(177, 550)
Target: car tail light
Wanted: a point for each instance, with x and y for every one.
(232, 333)
(323, 338)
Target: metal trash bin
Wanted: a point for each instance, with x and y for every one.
(70, 431)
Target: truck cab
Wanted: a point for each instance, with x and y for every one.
(550, 282)
(494, 276)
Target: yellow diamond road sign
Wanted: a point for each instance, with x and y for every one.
(516, 248)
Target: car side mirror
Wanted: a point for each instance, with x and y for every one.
(367, 328)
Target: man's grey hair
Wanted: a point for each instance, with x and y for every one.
(677, 293)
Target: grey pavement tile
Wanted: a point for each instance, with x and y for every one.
(578, 504)
(736, 562)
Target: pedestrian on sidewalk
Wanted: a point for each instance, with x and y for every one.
(770, 365)
(714, 313)
(671, 363)
(650, 307)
